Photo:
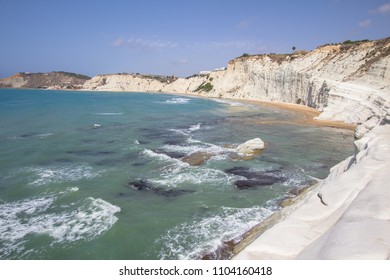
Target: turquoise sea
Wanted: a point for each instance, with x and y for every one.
(99, 175)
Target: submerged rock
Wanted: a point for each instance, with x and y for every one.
(171, 154)
(141, 185)
(145, 185)
(197, 158)
(253, 146)
(254, 178)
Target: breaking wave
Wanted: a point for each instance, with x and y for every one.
(108, 114)
(194, 239)
(58, 174)
(178, 100)
(80, 220)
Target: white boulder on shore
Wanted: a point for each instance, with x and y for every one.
(252, 146)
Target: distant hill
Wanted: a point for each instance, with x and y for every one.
(51, 80)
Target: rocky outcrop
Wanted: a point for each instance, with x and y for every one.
(52, 80)
(197, 158)
(253, 146)
(347, 82)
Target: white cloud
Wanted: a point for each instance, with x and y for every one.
(246, 23)
(143, 44)
(385, 8)
(146, 44)
(118, 42)
(365, 23)
(234, 44)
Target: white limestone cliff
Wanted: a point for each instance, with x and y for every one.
(346, 82)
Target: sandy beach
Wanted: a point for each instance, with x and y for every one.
(310, 114)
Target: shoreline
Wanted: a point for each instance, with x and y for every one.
(309, 113)
(354, 221)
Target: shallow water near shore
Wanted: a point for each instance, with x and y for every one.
(99, 175)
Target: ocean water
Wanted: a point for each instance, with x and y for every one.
(100, 176)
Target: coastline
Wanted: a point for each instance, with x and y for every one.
(326, 220)
(243, 248)
(354, 222)
(352, 191)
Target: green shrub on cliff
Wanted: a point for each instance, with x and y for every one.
(205, 87)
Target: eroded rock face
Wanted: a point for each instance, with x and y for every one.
(253, 146)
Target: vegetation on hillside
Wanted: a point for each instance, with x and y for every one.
(205, 86)
(74, 75)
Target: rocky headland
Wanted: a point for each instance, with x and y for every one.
(347, 215)
(51, 80)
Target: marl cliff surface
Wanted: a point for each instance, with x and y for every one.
(347, 82)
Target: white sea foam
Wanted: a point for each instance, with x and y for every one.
(195, 176)
(58, 174)
(109, 114)
(230, 102)
(178, 100)
(159, 156)
(174, 166)
(186, 131)
(204, 235)
(44, 135)
(80, 220)
(297, 178)
(198, 146)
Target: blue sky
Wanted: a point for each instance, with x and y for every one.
(173, 37)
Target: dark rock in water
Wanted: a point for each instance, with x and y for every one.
(173, 142)
(141, 185)
(242, 171)
(255, 178)
(197, 158)
(247, 184)
(145, 185)
(171, 154)
(172, 192)
(29, 134)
